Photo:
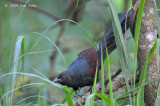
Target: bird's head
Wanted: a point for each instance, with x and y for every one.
(63, 78)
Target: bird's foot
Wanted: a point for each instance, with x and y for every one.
(79, 95)
(77, 92)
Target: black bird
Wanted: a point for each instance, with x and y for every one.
(82, 71)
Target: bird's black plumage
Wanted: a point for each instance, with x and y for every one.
(108, 40)
(82, 71)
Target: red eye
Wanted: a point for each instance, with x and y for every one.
(62, 77)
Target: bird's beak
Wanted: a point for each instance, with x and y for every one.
(55, 80)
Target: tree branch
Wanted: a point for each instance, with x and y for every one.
(147, 37)
(117, 82)
(53, 56)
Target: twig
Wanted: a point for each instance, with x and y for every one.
(36, 9)
(53, 56)
(113, 75)
(70, 7)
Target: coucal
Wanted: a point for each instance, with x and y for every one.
(82, 71)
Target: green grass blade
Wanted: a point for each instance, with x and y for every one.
(158, 45)
(95, 81)
(45, 104)
(144, 74)
(18, 21)
(125, 94)
(57, 49)
(7, 93)
(39, 94)
(77, 4)
(94, 86)
(17, 53)
(33, 96)
(88, 36)
(35, 76)
(110, 83)
(105, 98)
(120, 43)
(64, 100)
(157, 17)
(1, 91)
(68, 97)
(102, 96)
(119, 34)
(102, 77)
(89, 98)
(157, 101)
(136, 38)
(39, 72)
(50, 42)
(22, 53)
(20, 96)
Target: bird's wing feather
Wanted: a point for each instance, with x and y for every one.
(91, 57)
(108, 41)
(91, 52)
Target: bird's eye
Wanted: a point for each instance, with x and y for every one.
(62, 77)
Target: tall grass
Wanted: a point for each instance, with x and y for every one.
(120, 42)
(102, 77)
(19, 45)
(136, 37)
(110, 83)
(8, 96)
(19, 55)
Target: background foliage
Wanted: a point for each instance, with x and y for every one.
(14, 22)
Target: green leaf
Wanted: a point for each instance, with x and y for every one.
(157, 101)
(94, 86)
(105, 98)
(77, 4)
(90, 98)
(17, 53)
(1, 91)
(136, 38)
(64, 100)
(39, 95)
(102, 77)
(144, 74)
(110, 83)
(125, 94)
(120, 43)
(67, 96)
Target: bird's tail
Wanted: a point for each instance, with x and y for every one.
(108, 40)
